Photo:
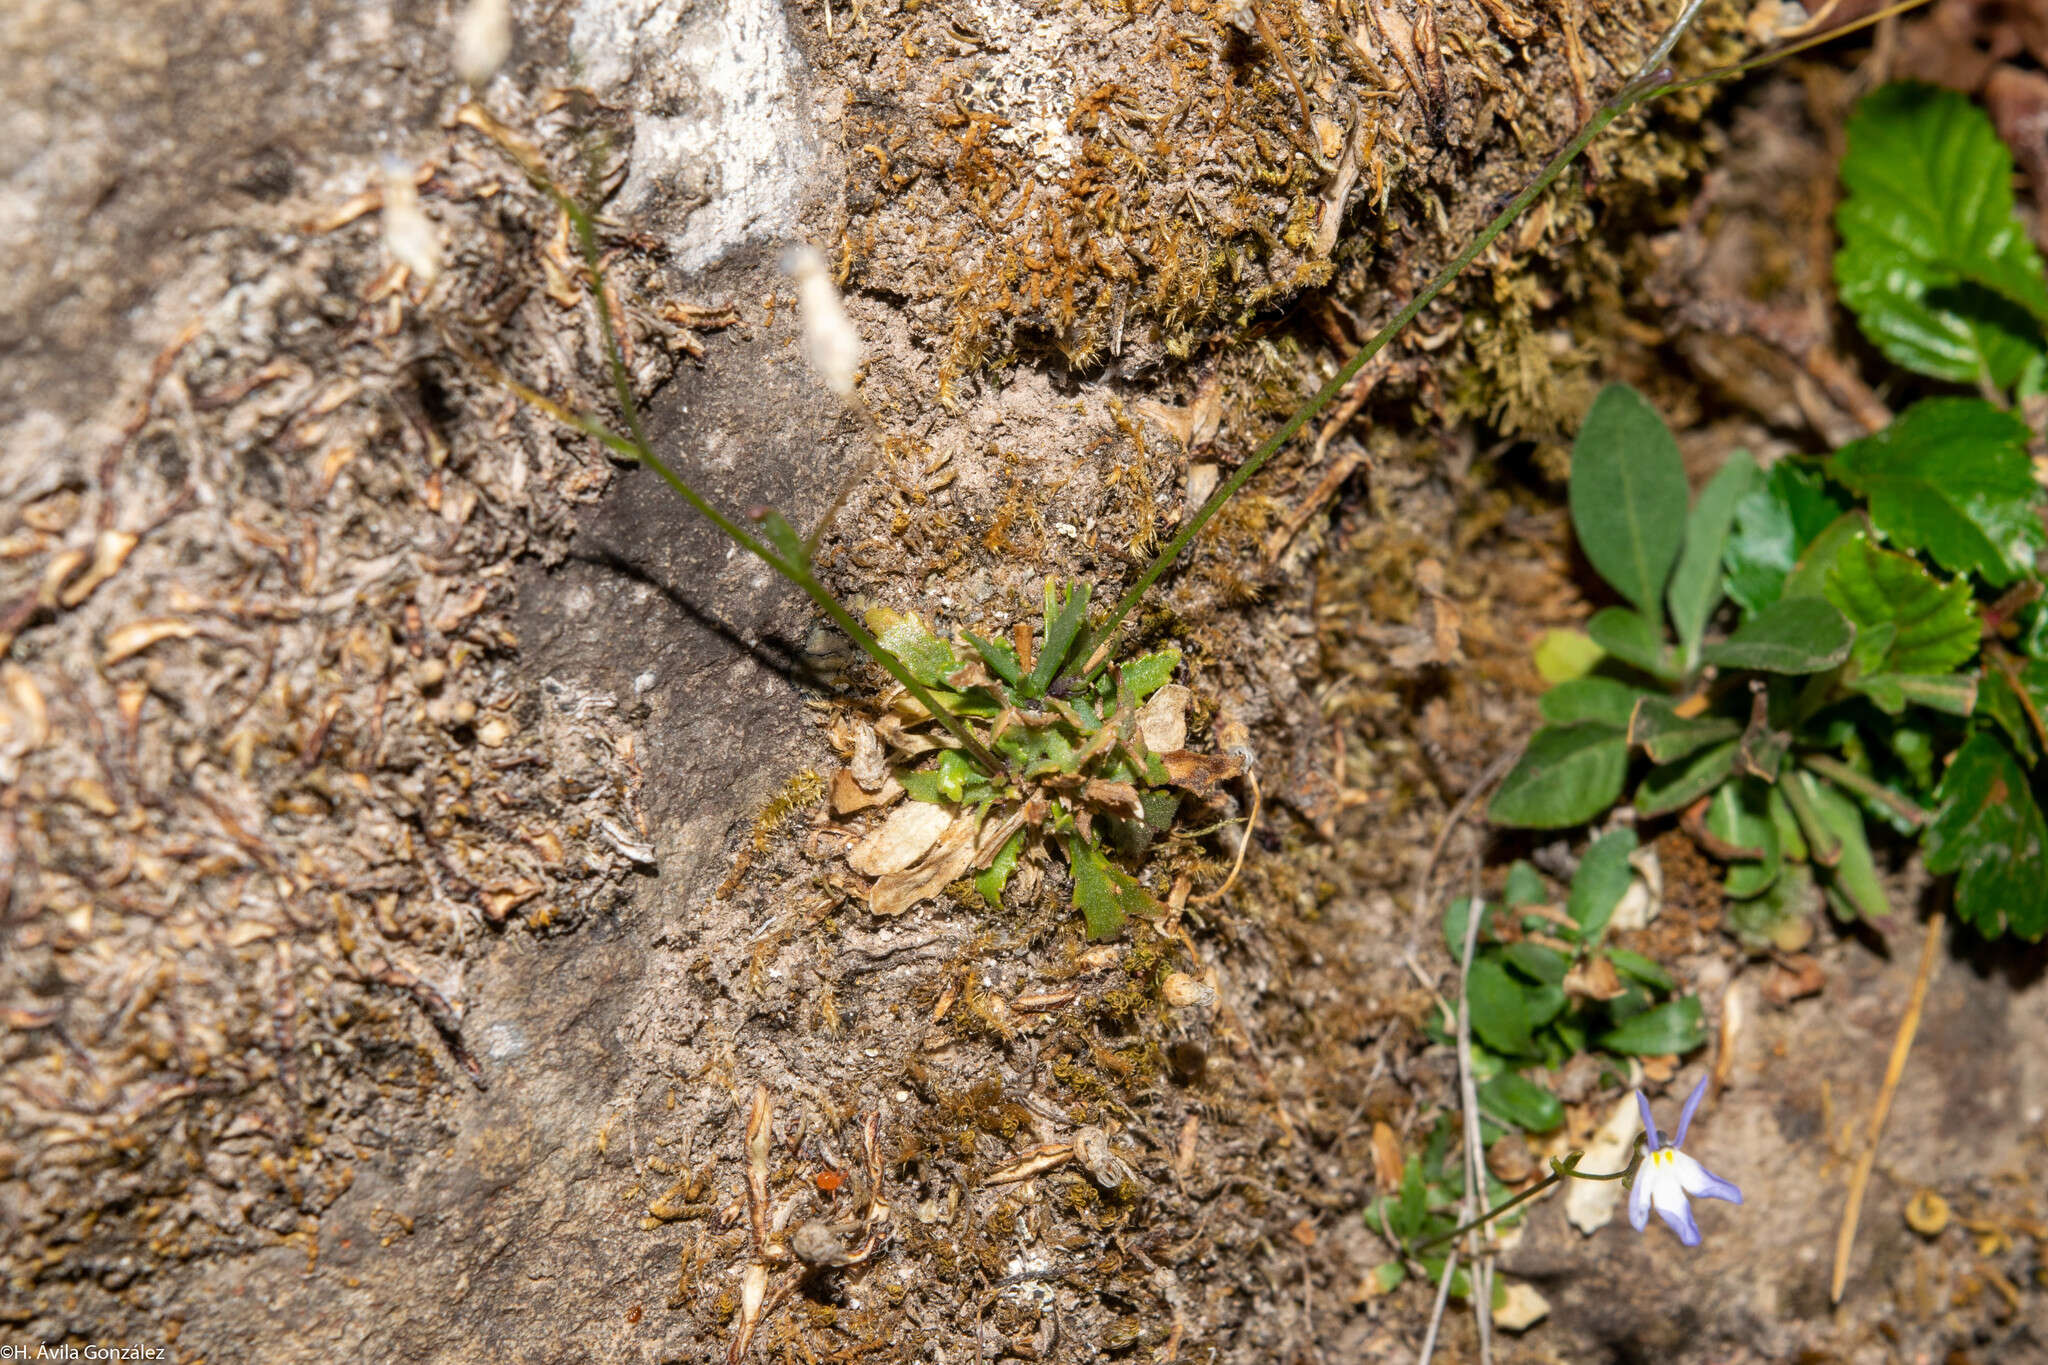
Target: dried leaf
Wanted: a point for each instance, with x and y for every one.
(1117, 798)
(947, 862)
(848, 796)
(1593, 979)
(869, 765)
(1522, 1307)
(1163, 721)
(1589, 1205)
(1201, 773)
(899, 841)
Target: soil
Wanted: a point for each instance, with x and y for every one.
(420, 877)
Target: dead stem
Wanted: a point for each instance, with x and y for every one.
(1845, 1242)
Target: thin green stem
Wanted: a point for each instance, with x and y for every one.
(1642, 87)
(800, 574)
(1561, 1169)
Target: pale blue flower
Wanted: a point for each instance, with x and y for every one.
(1668, 1175)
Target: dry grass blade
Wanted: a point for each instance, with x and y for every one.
(1845, 1242)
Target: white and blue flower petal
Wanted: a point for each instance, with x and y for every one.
(1667, 1177)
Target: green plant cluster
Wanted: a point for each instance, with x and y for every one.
(1886, 659)
(1427, 1207)
(1075, 770)
(1545, 985)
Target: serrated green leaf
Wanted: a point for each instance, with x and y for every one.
(1634, 639)
(1677, 1026)
(1773, 526)
(928, 658)
(1103, 893)
(1935, 625)
(1601, 881)
(1567, 775)
(2001, 702)
(991, 880)
(1989, 832)
(1677, 785)
(1656, 727)
(1695, 588)
(1522, 1102)
(1148, 673)
(1809, 577)
(1628, 497)
(1934, 262)
(1639, 968)
(1792, 635)
(1607, 700)
(1951, 476)
(1852, 877)
(1499, 1010)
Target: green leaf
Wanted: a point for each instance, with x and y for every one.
(1628, 497)
(1500, 1013)
(1773, 526)
(1935, 624)
(1413, 1205)
(1953, 693)
(1148, 673)
(1601, 881)
(1562, 655)
(1567, 775)
(1064, 620)
(1677, 1026)
(1695, 588)
(1792, 635)
(1951, 476)
(1640, 968)
(1524, 886)
(991, 880)
(1990, 833)
(1634, 639)
(1852, 877)
(1104, 893)
(1677, 785)
(1666, 736)
(1934, 262)
(1809, 577)
(1545, 966)
(1000, 658)
(1740, 817)
(1791, 842)
(1603, 699)
(1521, 1102)
(1454, 926)
(784, 538)
(928, 658)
